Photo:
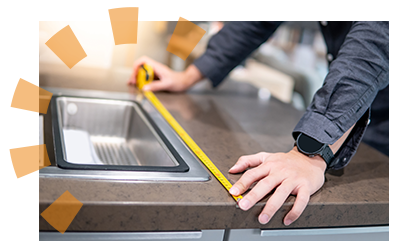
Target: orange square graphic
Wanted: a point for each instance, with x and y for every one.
(24, 160)
(124, 23)
(181, 18)
(185, 37)
(124, 14)
(62, 211)
(125, 32)
(31, 97)
(44, 100)
(26, 96)
(27, 160)
(66, 46)
(44, 160)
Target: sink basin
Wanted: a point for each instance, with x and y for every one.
(94, 133)
(116, 138)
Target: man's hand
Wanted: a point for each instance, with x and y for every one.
(290, 173)
(165, 78)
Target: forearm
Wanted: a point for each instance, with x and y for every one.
(336, 146)
(191, 75)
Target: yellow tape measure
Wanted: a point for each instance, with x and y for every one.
(182, 133)
(145, 75)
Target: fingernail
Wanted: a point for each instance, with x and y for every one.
(145, 88)
(287, 222)
(234, 167)
(234, 190)
(244, 204)
(263, 219)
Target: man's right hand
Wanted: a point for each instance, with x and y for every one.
(165, 78)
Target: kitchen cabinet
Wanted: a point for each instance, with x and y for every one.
(200, 235)
(372, 233)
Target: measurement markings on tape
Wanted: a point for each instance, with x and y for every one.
(189, 142)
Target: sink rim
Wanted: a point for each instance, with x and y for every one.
(59, 150)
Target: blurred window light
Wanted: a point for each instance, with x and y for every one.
(95, 37)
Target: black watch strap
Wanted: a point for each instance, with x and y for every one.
(327, 155)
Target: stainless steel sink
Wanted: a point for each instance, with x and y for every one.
(117, 137)
(94, 133)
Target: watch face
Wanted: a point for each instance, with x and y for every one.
(308, 144)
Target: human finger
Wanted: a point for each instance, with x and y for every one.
(248, 178)
(302, 199)
(247, 161)
(138, 63)
(155, 86)
(262, 188)
(276, 201)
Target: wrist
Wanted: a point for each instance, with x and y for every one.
(191, 75)
(316, 160)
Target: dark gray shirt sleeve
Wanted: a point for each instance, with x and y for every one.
(230, 46)
(360, 70)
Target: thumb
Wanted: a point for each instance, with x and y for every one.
(155, 86)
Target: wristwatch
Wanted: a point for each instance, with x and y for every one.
(311, 147)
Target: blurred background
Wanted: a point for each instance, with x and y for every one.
(290, 66)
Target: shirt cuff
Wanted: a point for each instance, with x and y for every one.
(318, 127)
(206, 65)
(311, 124)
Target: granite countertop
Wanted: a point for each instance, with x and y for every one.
(226, 123)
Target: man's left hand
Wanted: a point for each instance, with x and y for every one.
(290, 173)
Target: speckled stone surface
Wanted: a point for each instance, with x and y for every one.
(226, 123)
